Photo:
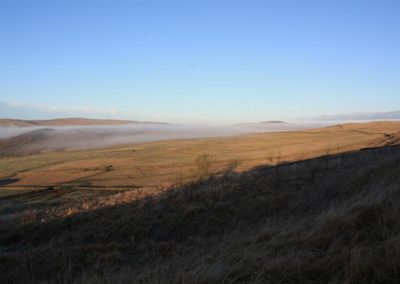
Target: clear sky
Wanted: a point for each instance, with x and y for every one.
(198, 60)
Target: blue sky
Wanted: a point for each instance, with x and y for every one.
(198, 60)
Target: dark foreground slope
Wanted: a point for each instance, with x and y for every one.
(328, 220)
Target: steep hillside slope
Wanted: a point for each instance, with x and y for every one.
(334, 219)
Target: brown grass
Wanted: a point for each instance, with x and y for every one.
(333, 219)
(163, 163)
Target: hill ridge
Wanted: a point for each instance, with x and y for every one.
(69, 121)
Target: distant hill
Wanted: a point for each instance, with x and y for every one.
(54, 139)
(274, 122)
(360, 116)
(66, 122)
(268, 122)
(27, 143)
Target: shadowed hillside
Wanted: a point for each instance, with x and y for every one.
(332, 219)
(26, 143)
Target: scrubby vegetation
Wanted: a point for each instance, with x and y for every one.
(332, 219)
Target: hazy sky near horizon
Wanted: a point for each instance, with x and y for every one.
(198, 60)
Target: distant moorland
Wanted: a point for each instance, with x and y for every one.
(310, 206)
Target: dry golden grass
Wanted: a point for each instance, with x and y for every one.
(208, 211)
(166, 163)
(333, 219)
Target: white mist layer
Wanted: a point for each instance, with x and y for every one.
(88, 137)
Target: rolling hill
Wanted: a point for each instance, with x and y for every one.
(66, 122)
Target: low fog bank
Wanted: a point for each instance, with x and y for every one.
(7, 132)
(86, 137)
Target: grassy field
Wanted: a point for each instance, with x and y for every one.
(288, 207)
(166, 163)
(333, 219)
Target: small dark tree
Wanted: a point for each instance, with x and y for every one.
(203, 163)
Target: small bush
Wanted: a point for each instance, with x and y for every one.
(204, 163)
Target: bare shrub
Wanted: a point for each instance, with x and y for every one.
(204, 163)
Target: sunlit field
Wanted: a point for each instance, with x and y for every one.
(162, 164)
(250, 209)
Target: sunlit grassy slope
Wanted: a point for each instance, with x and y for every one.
(333, 219)
(165, 163)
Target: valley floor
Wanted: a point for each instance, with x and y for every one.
(165, 163)
(328, 219)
